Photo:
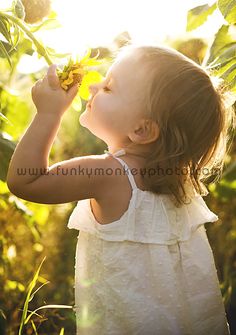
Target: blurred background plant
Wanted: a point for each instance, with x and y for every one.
(31, 232)
(220, 61)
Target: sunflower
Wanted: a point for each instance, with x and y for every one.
(71, 75)
(74, 71)
(36, 10)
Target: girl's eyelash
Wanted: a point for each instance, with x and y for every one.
(106, 89)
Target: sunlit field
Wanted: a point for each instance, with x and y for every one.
(37, 250)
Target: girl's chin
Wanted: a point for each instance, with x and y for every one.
(83, 119)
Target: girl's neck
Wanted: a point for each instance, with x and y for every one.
(124, 151)
(135, 151)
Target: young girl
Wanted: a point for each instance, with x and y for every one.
(144, 265)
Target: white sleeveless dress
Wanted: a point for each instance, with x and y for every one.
(151, 272)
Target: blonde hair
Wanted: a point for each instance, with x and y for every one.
(193, 121)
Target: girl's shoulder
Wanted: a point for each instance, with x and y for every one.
(117, 194)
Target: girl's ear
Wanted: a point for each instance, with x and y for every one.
(147, 131)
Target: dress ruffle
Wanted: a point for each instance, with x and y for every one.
(150, 218)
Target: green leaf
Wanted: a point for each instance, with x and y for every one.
(230, 173)
(198, 15)
(39, 288)
(218, 66)
(226, 190)
(34, 327)
(14, 285)
(31, 286)
(19, 9)
(48, 306)
(4, 29)
(18, 113)
(52, 15)
(233, 87)
(229, 74)
(20, 205)
(229, 77)
(228, 10)
(46, 24)
(5, 53)
(40, 213)
(16, 36)
(52, 52)
(225, 54)
(3, 118)
(222, 38)
(3, 188)
(226, 69)
(8, 48)
(223, 71)
(6, 150)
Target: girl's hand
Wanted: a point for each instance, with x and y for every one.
(49, 97)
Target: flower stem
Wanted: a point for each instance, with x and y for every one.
(40, 48)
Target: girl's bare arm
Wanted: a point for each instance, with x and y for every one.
(29, 176)
(32, 152)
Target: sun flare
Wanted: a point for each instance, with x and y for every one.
(90, 24)
(97, 23)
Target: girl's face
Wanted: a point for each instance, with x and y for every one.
(116, 103)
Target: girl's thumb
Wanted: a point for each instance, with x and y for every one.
(53, 79)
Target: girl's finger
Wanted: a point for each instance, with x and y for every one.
(44, 80)
(73, 91)
(38, 82)
(52, 77)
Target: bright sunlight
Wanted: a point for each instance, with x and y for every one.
(54, 136)
(96, 23)
(86, 24)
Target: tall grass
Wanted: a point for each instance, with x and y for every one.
(29, 296)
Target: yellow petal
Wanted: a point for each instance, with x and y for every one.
(90, 78)
(78, 71)
(64, 86)
(64, 75)
(70, 75)
(68, 81)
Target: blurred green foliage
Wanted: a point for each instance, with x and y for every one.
(32, 232)
(220, 61)
(221, 56)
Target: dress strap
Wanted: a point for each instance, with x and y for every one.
(124, 164)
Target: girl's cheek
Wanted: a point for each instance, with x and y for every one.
(99, 102)
(101, 108)
(107, 111)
